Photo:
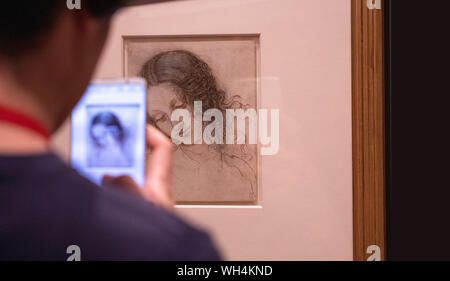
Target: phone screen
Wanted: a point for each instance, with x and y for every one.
(108, 131)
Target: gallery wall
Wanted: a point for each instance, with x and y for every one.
(304, 206)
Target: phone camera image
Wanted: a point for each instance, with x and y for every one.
(111, 135)
(108, 131)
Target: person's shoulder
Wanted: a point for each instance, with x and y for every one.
(121, 226)
(139, 230)
(151, 232)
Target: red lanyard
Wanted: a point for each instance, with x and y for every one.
(17, 118)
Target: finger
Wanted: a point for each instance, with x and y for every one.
(106, 180)
(125, 183)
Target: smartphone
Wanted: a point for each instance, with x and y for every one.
(108, 130)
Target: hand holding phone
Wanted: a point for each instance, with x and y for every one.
(109, 139)
(156, 188)
(108, 130)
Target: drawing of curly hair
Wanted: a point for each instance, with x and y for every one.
(191, 76)
(193, 80)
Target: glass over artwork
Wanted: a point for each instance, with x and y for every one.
(220, 72)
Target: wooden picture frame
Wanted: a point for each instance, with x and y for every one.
(368, 107)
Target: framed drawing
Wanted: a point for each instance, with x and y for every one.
(221, 72)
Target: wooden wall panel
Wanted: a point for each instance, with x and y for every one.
(368, 129)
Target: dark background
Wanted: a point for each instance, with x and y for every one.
(418, 79)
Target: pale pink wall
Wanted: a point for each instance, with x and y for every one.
(306, 206)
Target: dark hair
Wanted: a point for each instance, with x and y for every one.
(108, 119)
(192, 78)
(23, 22)
(191, 75)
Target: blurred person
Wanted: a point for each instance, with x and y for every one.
(47, 58)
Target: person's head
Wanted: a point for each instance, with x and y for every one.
(50, 51)
(106, 130)
(177, 79)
